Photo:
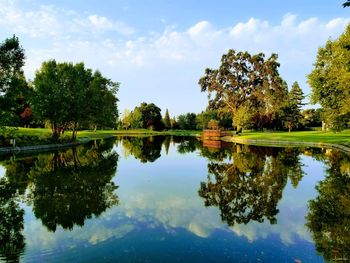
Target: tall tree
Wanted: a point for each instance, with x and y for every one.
(103, 108)
(68, 95)
(187, 121)
(291, 112)
(14, 90)
(330, 81)
(166, 120)
(151, 116)
(346, 4)
(244, 81)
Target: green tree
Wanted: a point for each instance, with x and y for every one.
(136, 119)
(291, 112)
(151, 116)
(346, 4)
(126, 119)
(330, 81)
(312, 117)
(102, 102)
(15, 93)
(244, 80)
(166, 120)
(68, 95)
(174, 124)
(187, 121)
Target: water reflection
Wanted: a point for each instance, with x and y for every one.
(63, 188)
(146, 149)
(250, 185)
(67, 188)
(11, 226)
(329, 214)
(253, 195)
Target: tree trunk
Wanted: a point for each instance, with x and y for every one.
(55, 132)
(75, 131)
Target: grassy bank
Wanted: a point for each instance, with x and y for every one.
(341, 138)
(99, 134)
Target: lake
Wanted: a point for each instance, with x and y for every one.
(171, 199)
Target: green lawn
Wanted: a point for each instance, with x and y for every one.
(104, 133)
(342, 138)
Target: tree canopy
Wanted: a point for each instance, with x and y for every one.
(14, 90)
(68, 95)
(245, 85)
(146, 116)
(330, 81)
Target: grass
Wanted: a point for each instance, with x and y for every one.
(42, 132)
(342, 138)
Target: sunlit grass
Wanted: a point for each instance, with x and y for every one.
(301, 136)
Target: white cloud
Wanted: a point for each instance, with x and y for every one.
(102, 23)
(48, 21)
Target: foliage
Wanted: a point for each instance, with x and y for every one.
(203, 118)
(312, 117)
(146, 116)
(187, 121)
(146, 149)
(347, 3)
(213, 125)
(65, 189)
(166, 120)
(329, 214)
(250, 187)
(330, 81)
(68, 95)
(15, 92)
(244, 83)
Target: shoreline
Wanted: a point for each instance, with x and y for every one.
(286, 143)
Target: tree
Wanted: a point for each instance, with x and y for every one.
(312, 117)
(174, 124)
(136, 119)
(151, 116)
(346, 4)
(166, 120)
(68, 95)
(103, 109)
(244, 80)
(329, 81)
(14, 90)
(291, 112)
(187, 121)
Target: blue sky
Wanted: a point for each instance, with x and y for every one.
(158, 49)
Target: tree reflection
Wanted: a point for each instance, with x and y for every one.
(65, 188)
(250, 186)
(329, 213)
(146, 149)
(11, 215)
(69, 187)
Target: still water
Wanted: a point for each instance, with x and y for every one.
(170, 199)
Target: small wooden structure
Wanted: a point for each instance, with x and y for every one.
(213, 138)
(214, 135)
